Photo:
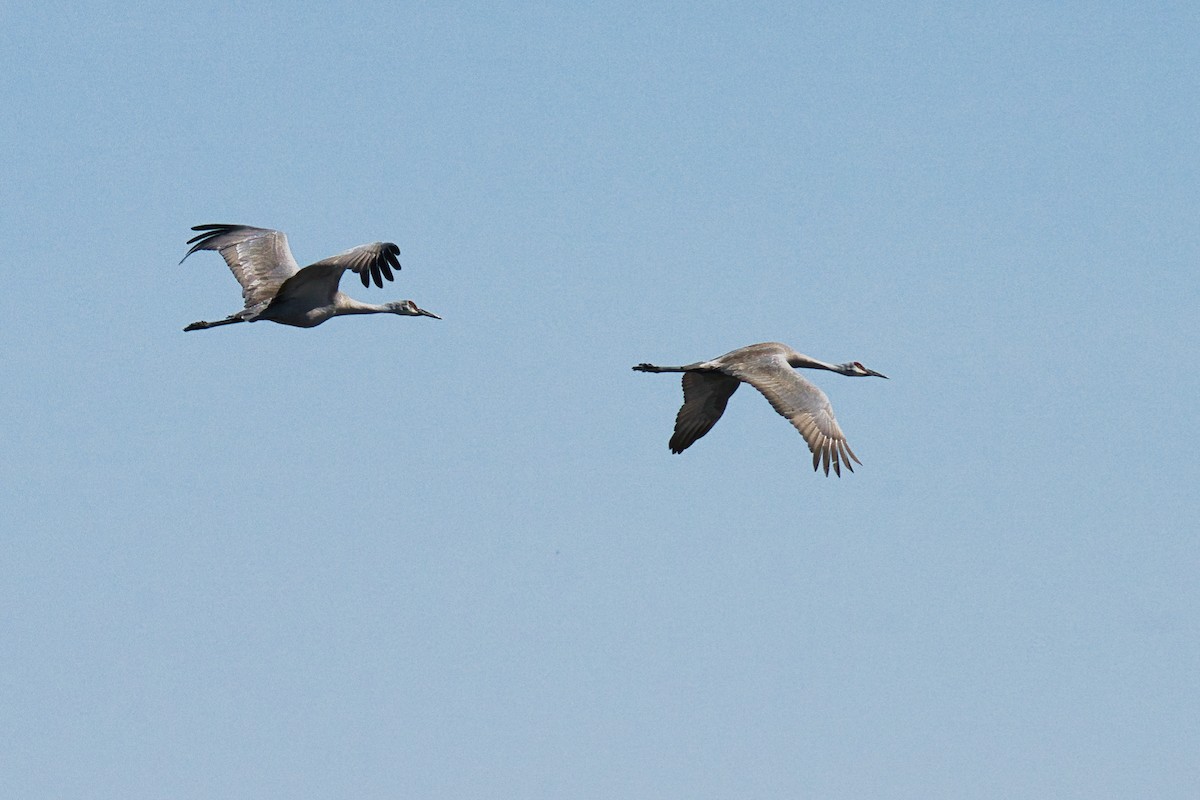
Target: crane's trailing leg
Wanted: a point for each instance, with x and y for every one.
(644, 367)
(201, 325)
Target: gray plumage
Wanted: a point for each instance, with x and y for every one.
(275, 288)
(768, 367)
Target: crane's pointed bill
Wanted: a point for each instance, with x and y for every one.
(876, 374)
(425, 313)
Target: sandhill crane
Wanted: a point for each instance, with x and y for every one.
(708, 385)
(275, 288)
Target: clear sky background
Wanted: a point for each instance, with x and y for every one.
(393, 557)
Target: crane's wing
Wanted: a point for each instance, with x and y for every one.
(258, 257)
(804, 405)
(704, 397)
(320, 280)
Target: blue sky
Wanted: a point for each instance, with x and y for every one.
(395, 557)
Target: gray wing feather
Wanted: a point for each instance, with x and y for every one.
(802, 404)
(258, 257)
(704, 397)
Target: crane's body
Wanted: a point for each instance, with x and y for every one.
(275, 288)
(768, 367)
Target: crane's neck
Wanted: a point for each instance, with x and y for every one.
(801, 360)
(344, 304)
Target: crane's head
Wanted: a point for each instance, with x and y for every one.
(856, 369)
(408, 308)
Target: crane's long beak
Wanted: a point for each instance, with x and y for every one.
(877, 374)
(425, 313)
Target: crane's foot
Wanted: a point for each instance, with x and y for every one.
(198, 326)
(644, 367)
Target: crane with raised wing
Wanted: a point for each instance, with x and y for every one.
(276, 288)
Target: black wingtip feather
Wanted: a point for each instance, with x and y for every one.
(200, 240)
(392, 254)
(211, 229)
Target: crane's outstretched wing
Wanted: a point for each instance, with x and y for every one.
(320, 280)
(375, 260)
(804, 405)
(704, 397)
(258, 257)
